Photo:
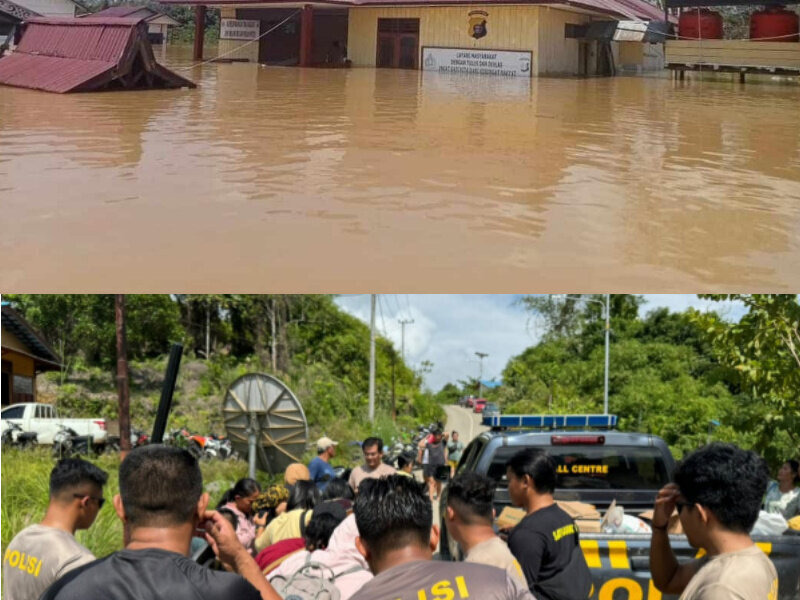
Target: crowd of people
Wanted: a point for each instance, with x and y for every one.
(372, 537)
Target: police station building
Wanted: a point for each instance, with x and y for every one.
(523, 39)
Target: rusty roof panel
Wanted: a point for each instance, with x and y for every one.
(49, 73)
(66, 55)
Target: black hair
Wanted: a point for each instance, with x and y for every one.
(538, 465)
(244, 487)
(319, 530)
(404, 459)
(392, 513)
(230, 516)
(372, 441)
(303, 494)
(727, 480)
(159, 485)
(470, 494)
(336, 489)
(794, 465)
(70, 473)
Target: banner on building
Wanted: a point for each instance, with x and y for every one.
(239, 29)
(506, 63)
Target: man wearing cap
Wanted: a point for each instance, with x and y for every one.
(320, 467)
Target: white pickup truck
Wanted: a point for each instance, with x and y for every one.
(44, 420)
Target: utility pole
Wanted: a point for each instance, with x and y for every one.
(481, 356)
(273, 344)
(608, 330)
(123, 390)
(403, 323)
(208, 329)
(373, 302)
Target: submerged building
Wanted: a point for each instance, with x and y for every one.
(523, 38)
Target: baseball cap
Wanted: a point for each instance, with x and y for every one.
(325, 442)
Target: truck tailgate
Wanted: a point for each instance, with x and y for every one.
(620, 564)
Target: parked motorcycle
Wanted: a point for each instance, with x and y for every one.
(218, 447)
(14, 435)
(67, 443)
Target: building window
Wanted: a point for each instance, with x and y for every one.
(573, 31)
(23, 388)
(398, 25)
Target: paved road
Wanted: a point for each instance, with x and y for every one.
(464, 421)
(468, 425)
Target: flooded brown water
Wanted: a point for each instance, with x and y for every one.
(282, 179)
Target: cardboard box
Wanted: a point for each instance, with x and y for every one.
(673, 528)
(577, 510)
(588, 525)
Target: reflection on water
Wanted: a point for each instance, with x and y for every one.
(321, 180)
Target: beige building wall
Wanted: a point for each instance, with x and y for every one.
(236, 49)
(538, 29)
(509, 28)
(637, 57)
(558, 55)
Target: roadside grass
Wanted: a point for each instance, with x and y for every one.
(25, 476)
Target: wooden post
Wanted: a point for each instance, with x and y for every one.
(199, 30)
(306, 35)
(122, 376)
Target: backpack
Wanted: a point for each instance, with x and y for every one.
(312, 581)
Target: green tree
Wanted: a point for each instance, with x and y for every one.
(762, 355)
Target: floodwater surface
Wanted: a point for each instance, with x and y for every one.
(287, 179)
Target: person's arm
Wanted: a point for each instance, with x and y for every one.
(668, 575)
(222, 539)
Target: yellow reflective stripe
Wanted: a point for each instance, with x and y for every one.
(591, 552)
(618, 553)
(765, 546)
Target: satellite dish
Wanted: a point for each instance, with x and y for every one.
(265, 421)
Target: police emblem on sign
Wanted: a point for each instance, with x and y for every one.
(477, 23)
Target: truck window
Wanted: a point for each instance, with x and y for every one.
(13, 412)
(597, 467)
(48, 412)
(469, 457)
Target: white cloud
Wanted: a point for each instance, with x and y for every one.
(448, 328)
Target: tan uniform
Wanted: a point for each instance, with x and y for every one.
(37, 557)
(361, 473)
(495, 552)
(744, 575)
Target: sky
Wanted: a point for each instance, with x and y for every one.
(448, 329)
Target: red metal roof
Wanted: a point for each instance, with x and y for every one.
(64, 55)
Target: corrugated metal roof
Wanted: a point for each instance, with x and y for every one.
(125, 11)
(142, 12)
(624, 9)
(50, 73)
(17, 10)
(65, 55)
(83, 39)
(16, 324)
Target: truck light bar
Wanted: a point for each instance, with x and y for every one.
(566, 440)
(550, 421)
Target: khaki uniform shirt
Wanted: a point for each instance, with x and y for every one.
(37, 557)
(361, 473)
(744, 575)
(495, 552)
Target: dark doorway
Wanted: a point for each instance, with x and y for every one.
(6, 389)
(398, 44)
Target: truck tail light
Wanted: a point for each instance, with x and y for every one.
(566, 440)
(101, 424)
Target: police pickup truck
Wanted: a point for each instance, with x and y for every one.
(597, 465)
